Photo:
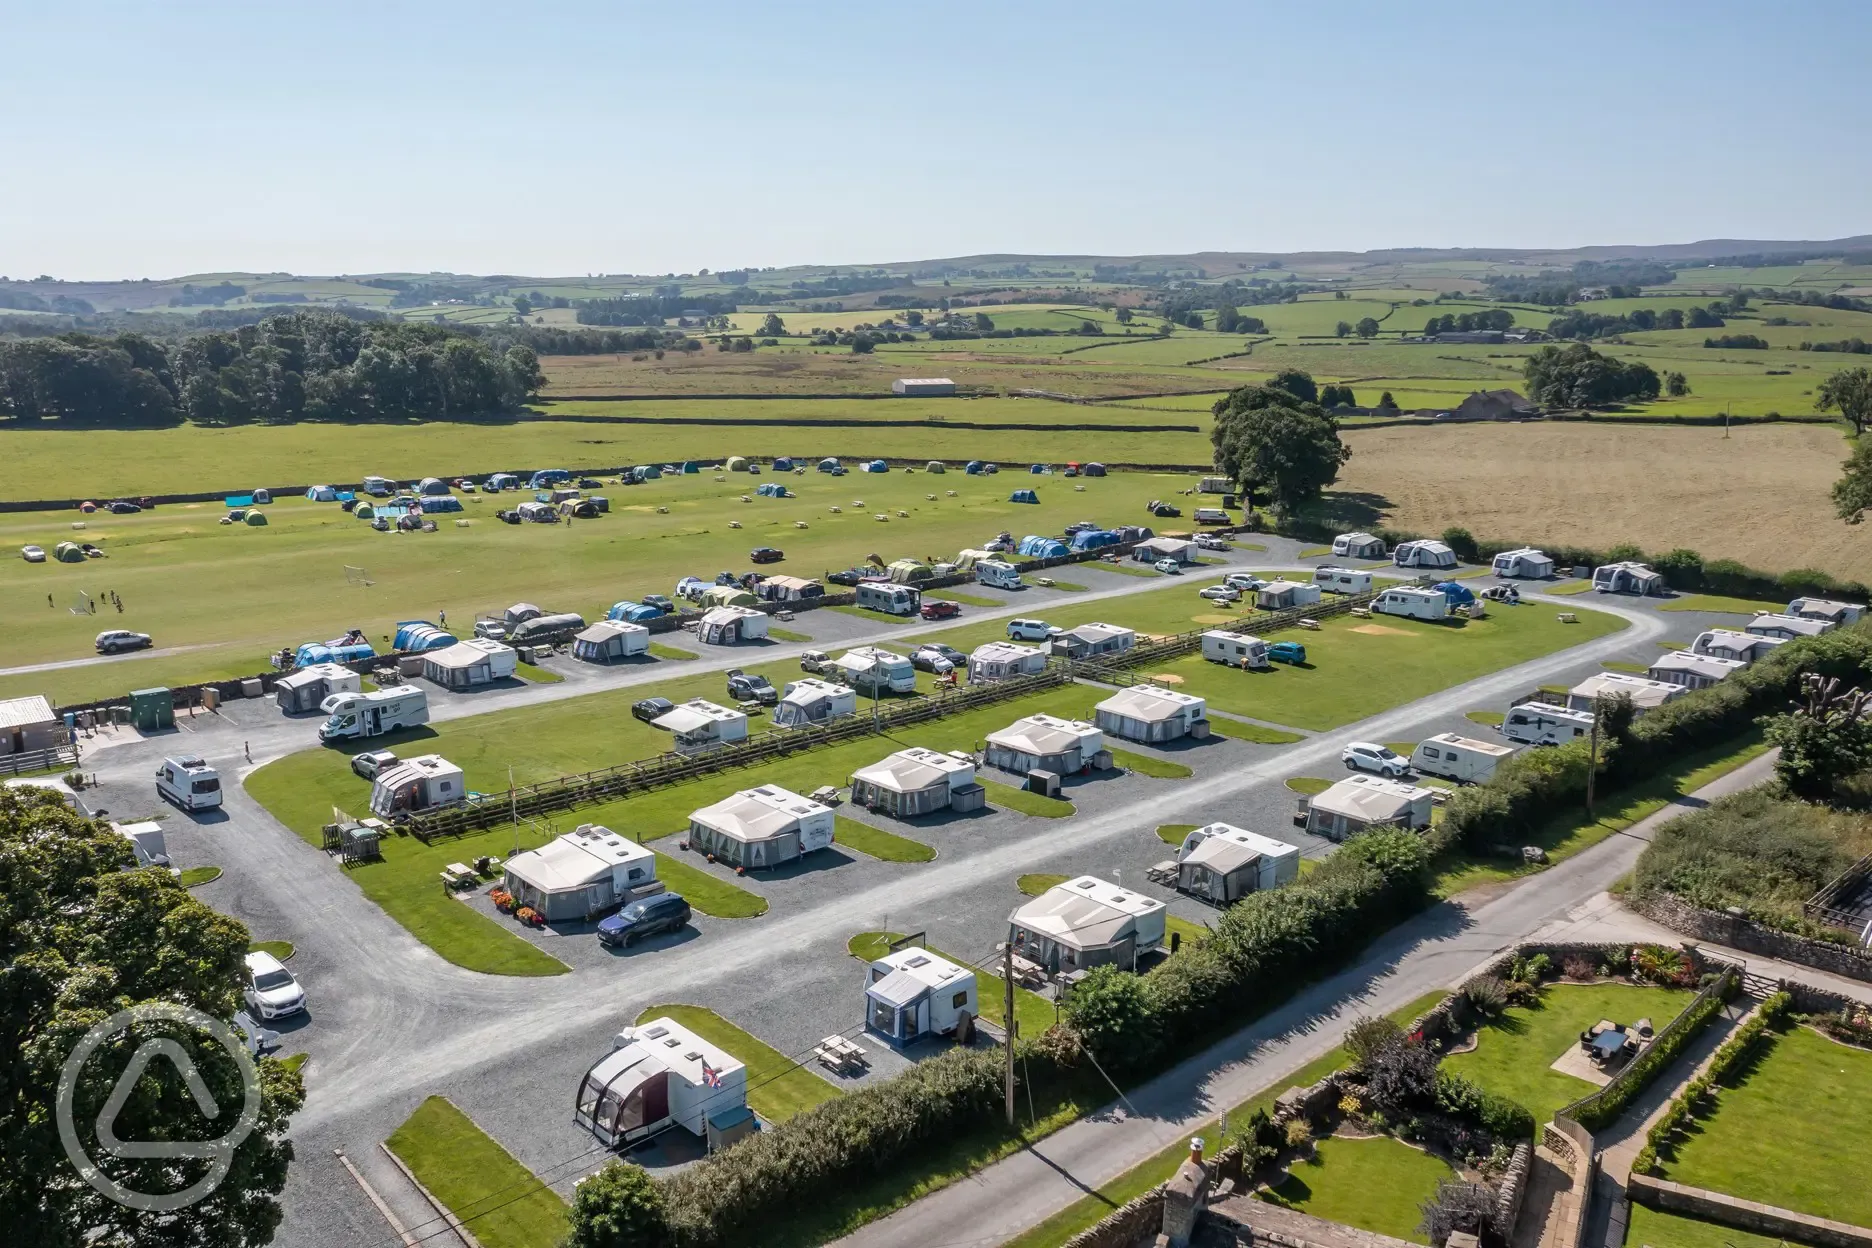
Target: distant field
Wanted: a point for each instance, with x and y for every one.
(1760, 495)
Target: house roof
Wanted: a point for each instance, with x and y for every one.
(25, 712)
(758, 814)
(1706, 665)
(1152, 704)
(912, 770)
(1228, 848)
(579, 858)
(1643, 692)
(1370, 799)
(1046, 734)
(1085, 912)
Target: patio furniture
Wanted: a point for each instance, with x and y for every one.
(459, 875)
(1164, 872)
(1028, 973)
(1607, 1045)
(838, 1054)
(1568, 617)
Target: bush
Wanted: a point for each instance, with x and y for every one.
(619, 1207)
(1459, 1206)
(1367, 1037)
(1462, 542)
(1111, 1013)
(1486, 995)
(1500, 1117)
(1402, 1078)
(1299, 1133)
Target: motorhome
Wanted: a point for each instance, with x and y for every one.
(1412, 601)
(891, 599)
(189, 782)
(373, 714)
(1462, 759)
(1543, 723)
(872, 669)
(1342, 580)
(998, 574)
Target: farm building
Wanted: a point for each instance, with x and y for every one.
(813, 701)
(582, 873)
(1152, 714)
(610, 640)
(660, 1074)
(307, 687)
(790, 589)
(1423, 554)
(1280, 595)
(999, 660)
(1086, 922)
(1091, 641)
(761, 827)
(28, 725)
(1358, 546)
(476, 661)
(1787, 627)
(1221, 863)
(724, 626)
(914, 993)
(1492, 404)
(1412, 601)
(1525, 564)
(1829, 609)
(421, 783)
(917, 781)
(1645, 694)
(1235, 649)
(1691, 670)
(1046, 743)
(699, 724)
(1342, 580)
(923, 387)
(1360, 802)
(1727, 643)
(1627, 577)
(1150, 550)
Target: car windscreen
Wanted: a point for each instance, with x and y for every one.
(272, 979)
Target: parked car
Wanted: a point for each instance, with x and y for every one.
(122, 507)
(1029, 630)
(269, 988)
(1169, 567)
(766, 554)
(1081, 526)
(590, 483)
(660, 602)
(1219, 593)
(1370, 756)
(1286, 652)
(664, 912)
(926, 660)
(751, 687)
(651, 708)
(1209, 541)
(955, 656)
(941, 609)
(371, 763)
(1163, 509)
(118, 640)
(1247, 582)
(815, 661)
(847, 577)
(1502, 593)
(32, 554)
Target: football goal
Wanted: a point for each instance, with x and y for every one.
(357, 576)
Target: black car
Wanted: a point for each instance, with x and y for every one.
(751, 687)
(765, 554)
(651, 708)
(1165, 510)
(590, 483)
(665, 912)
(850, 576)
(955, 656)
(122, 507)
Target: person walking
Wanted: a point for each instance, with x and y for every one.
(48, 600)
(442, 617)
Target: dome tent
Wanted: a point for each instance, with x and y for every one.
(364, 511)
(432, 487)
(68, 552)
(1023, 496)
(736, 463)
(783, 464)
(935, 466)
(256, 519)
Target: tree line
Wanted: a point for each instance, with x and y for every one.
(1578, 376)
(1469, 322)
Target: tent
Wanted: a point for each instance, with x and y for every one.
(727, 596)
(632, 612)
(364, 511)
(973, 467)
(542, 627)
(502, 481)
(1037, 469)
(317, 493)
(935, 466)
(773, 489)
(547, 477)
(420, 635)
(782, 464)
(828, 465)
(264, 496)
(909, 571)
(87, 507)
(690, 467)
(1035, 546)
(256, 519)
(432, 487)
(1093, 470)
(1094, 539)
(435, 503)
(646, 472)
(1459, 595)
(68, 552)
(736, 463)
(1023, 496)
(876, 465)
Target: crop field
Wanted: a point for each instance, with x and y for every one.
(1759, 495)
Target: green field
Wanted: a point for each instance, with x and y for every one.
(499, 1199)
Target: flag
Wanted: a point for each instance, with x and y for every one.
(710, 1075)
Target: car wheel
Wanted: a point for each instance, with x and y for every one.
(1350, 765)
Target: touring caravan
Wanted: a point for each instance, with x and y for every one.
(1543, 723)
(1423, 554)
(421, 783)
(1342, 580)
(761, 828)
(307, 688)
(146, 839)
(872, 669)
(1221, 863)
(889, 598)
(1412, 601)
(1627, 577)
(1458, 758)
(813, 701)
(1234, 649)
(373, 714)
(1525, 564)
(660, 1074)
(189, 782)
(914, 993)
(1358, 546)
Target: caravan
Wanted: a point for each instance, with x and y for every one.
(1342, 580)
(873, 670)
(1234, 649)
(888, 598)
(421, 783)
(373, 714)
(1543, 723)
(1461, 759)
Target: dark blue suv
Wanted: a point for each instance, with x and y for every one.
(665, 912)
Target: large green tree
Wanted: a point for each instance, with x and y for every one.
(1273, 443)
(1848, 392)
(81, 939)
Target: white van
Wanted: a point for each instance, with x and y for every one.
(1542, 723)
(189, 782)
(1458, 758)
(1210, 515)
(999, 575)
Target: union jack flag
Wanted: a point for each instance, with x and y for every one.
(710, 1075)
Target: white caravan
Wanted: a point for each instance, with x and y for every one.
(1542, 723)
(373, 714)
(1462, 759)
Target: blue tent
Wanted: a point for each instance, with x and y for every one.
(1458, 595)
(502, 481)
(828, 465)
(345, 496)
(973, 467)
(1023, 496)
(547, 477)
(877, 465)
(317, 493)
(690, 466)
(1034, 546)
(320, 652)
(1093, 539)
(783, 464)
(772, 489)
(647, 472)
(420, 635)
(632, 612)
(1037, 469)
(446, 502)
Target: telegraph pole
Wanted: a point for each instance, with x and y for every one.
(1007, 981)
(1592, 763)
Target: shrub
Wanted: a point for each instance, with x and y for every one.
(1486, 995)
(1260, 1141)
(1111, 1013)
(1600, 1109)
(1461, 541)
(1501, 1117)
(619, 1207)
(1369, 1036)
(1577, 966)
(1299, 1133)
(1402, 1078)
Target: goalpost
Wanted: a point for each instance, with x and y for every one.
(357, 576)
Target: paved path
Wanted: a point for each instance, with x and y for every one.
(162, 652)
(1435, 950)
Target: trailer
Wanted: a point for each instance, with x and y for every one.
(1358, 546)
(353, 715)
(1342, 580)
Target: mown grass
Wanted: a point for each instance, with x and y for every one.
(1173, 833)
(707, 893)
(671, 653)
(1658, 1229)
(500, 1200)
(195, 877)
(778, 1086)
(1035, 884)
(1722, 604)
(1374, 1184)
(1150, 765)
(886, 846)
(281, 949)
(1312, 786)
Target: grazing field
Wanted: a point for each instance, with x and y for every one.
(479, 1181)
(1759, 496)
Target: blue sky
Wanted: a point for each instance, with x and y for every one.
(155, 140)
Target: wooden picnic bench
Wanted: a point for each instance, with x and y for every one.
(459, 875)
(837, 1053)
(1568, 617)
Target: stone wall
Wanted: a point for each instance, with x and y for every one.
(1513, 1189)
(1135, 1221)
(1747, 1215)
(1313, 1102)
(1719, 927)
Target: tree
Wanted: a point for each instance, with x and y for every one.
(912, 318)
(1852, 493)
(1676, 385)
(1342, 329)
(1125, 316)
(861, 344)
(1386, 401)
(619, 1207)
(1297, 383)
(1578, 376)
(1266, 439)
(522, 306)
(1850, 393)
(773, 326)
(1193, 319)
(1368, 327)
(1401, 1077)
(1825, 739)
(984, 322)
(84, 939)
(1461, 541)
(1459, 1206)
(1368, 1037)
(1109, 1010)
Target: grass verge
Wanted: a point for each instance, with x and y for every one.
(281, 949)
(1037, 883)
(1150, 765)
(1492, 719)
(1312, 786)
(534, 674)
(1722, 604)
(500, 1200)
(195, 877)
(778, 1086)
(786, 634)
(660, 651)
(887, 846)
(1008, 797)
(711, 896)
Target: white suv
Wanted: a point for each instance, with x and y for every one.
(1029, 630)
(1370, 756)
(269, 988)
(1247, 582)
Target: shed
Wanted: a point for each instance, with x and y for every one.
(1093, 641)
(917, 781)
(1086, 922)
(1691, 670)
(1627, 577)
(1151, 549)
(1002, 660)
(1042, 742)
(1360, 802)
(28, 725)
(421, 783)
(1828, 609)
(1525, 563)
(1280, 595)
(1358, 546)
(1644, 694)
(1221, 863)
(609, 640)
(813, 701)
(1023, 496)
(661, 1074)
(1787, 627)
(582, 873)
(466, 664)
(1153, 714)
(1727, 643)
(1423, 554)
(725, 626)
(913, 993)
(1342, 580)
(923, 387)
(699, 724)
(761, 827)
(415, 636)
(790, 589)
(305, 688)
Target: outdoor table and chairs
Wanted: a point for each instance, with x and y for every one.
(841, 1055)
(459, 875)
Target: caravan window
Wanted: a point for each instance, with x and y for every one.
(960, 1000)
(1430, 751)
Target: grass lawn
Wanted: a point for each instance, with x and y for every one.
(1008, 797)
(533, 673)
(1575, 587)
(1791, 1132)
(1723, 603)
(660, 651)
(880, 844)
(1614, 665)
(281, 949)
(1312, 786)
(195, 877)
(1173, 833)
(1513, 1053)
(1376, 1185)
(786, 634)
(1256, 733)
(499, 1199)
(778, 1086)
(1035, 884)
(1071, 587)
(1175, 925)
(710, 895)
(1652, 1228)
(1150, 765)
(1490, 718)
(1313, 552)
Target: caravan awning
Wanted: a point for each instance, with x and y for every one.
(682, 719)
(745, 819)
(559, 866)
(899, 990)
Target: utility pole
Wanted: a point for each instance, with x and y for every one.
(1007, 982)
(1592, 763)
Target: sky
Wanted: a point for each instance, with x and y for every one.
(568, 138)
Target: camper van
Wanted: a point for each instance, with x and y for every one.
(1235, 649)
(1413, 601)
(889, 598)
(189, 782)
(871, 669)
(1458, 758)
(1542, 723)
(994, 572)
(373, 714)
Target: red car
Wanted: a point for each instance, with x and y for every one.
(940, 610)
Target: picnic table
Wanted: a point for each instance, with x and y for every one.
(459, 875)
(1607, 1045)
(1027, 972)
(838, 1054)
